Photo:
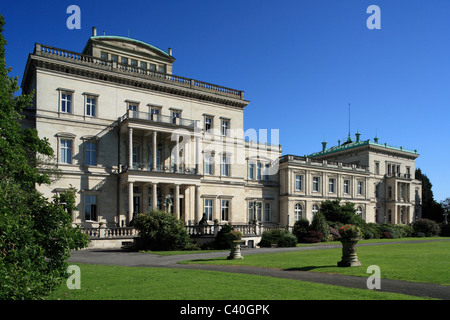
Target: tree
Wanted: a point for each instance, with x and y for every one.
(159, 230)
(36, 235)
(319, 224)
(431, 209)
(334, 211)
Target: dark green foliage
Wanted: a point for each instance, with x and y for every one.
(36, 235)
(319, 224)
(431, 209)
(159, 230)
(221, 240)
(300, 227)
(278, 237)
(426, 227)
(445, 230)
(311, 236)
(35, 242)
(333, 210)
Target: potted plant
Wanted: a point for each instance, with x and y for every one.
(350, 235)
(235, 239)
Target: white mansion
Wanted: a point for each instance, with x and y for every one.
(131, 136)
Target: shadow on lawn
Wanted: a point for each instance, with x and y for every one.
(308, 268)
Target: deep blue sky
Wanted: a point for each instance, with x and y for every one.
(300, 62)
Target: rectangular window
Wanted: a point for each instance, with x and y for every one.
(254, 211)
(225, 127)
(225, 166)
(377, 167)
(124, 60)
(360, 187)
(162, 69)
(298, 182)
(267, 212)
(91, 106)
(331, 186)
(135, 157)
(143, 65)
(225, 210)
(114, 58)
(66, 151)
(175, 115)
(315, 184)
(134, 63)
(208, 164)
(91, 154)
(208, 209)
(66, 102)
(90, 208)
(346, 186)
(152, 67)
(208, 123)
(251, 169)
(266, 172)
(258, 171)
(104, 55)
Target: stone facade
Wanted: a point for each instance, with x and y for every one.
(131, 136)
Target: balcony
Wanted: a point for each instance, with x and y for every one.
(147, 167)
(160, 119)
(108, 65)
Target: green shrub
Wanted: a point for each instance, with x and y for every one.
(427, 227)
(221, 240)
(319, 224)
(300, 227)
(388, 231)
(445, 230)
(159, 230)
(311, 236)
(279, 237)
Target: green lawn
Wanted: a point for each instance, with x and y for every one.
(421, 262)
(138, 283)
(425, 262)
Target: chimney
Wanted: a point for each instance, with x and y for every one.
(357, 136)
(170, 51)
(94, 31)
(324, 146)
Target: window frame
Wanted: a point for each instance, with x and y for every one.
(86, 203)
(298, 182)
(209, 213)
(298, 208)
(316, 184)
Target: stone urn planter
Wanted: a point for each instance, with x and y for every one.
(350, 235)
(235, 240)
(235, 252)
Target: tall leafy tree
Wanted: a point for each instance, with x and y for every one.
(431, 209)
(36, 235)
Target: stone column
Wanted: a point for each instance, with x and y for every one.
(197, 155)
(177, 153)
(130, 202)
(154, 150)
(154, 195)
(130, 148)
(176, 200)
(197, 204)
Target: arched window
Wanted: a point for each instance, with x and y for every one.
(315, 209)
(359, 212)
(298, 210)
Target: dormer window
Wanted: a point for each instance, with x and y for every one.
(162, 69)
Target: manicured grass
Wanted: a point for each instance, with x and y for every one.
(420, 262)
(136, 283)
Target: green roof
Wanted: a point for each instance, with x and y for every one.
(355, 144)
(132, 40)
